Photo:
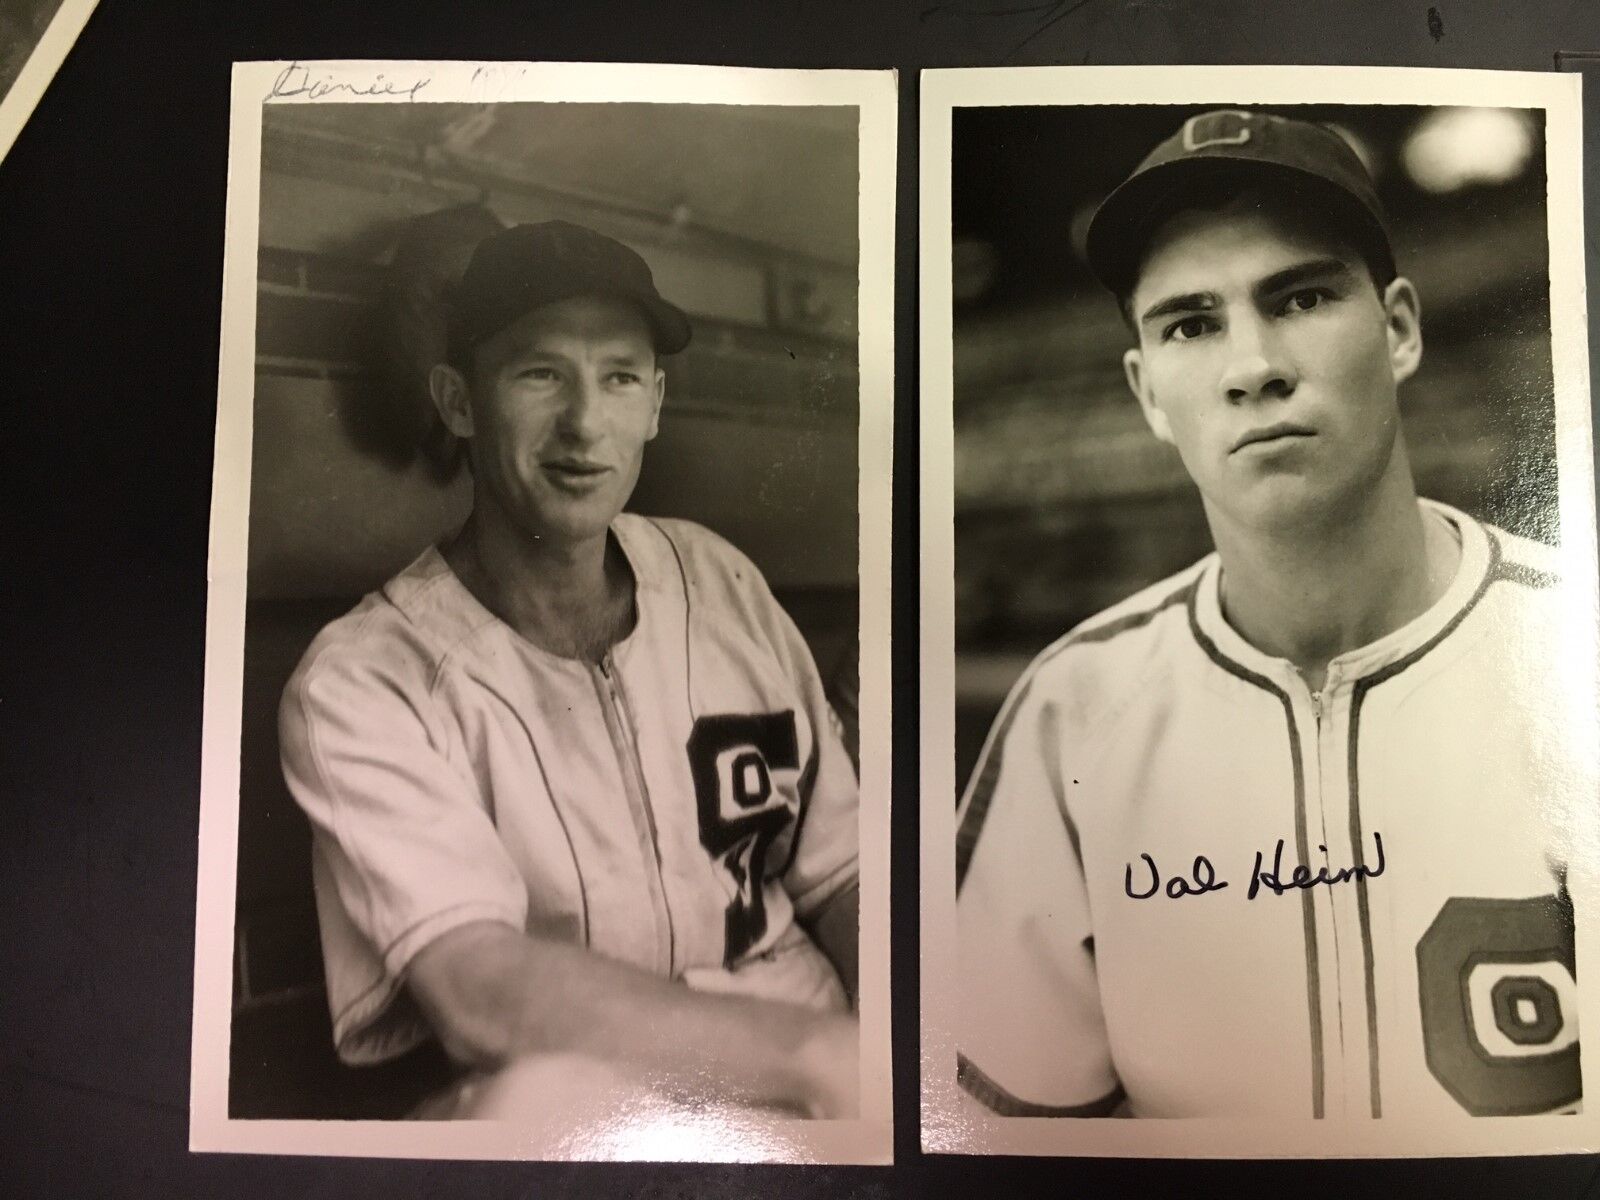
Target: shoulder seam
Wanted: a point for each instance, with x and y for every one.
(989, 762)
(1511, 563)
(439, 652)
(1509, 570)
(1129, 621)
(688, 612)
(444, 656)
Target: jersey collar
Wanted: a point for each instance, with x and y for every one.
(1478, 552)
(430, 593)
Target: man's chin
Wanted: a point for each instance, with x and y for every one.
(1284, 503)
(571, 524)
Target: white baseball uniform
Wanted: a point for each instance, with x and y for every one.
(675, 806)
(1423, 966)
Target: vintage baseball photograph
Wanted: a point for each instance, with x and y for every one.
(35, 35)
(1259, 725)
(546, 777)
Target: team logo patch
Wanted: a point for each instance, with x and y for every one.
(1500, 1006)
(732, 758)
(1226, 127)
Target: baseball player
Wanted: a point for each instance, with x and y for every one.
(574, 787)
(1280, 835)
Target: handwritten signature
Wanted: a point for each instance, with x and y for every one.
(1203, 877)
(296, 80)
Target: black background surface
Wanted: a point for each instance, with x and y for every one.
(111, 241)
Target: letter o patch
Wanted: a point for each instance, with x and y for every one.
(1527, 1010)
(743, 815)
(1499, 1004)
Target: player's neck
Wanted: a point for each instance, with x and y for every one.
(1310, 595)
(574, 599)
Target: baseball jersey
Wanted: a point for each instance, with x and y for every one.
(675, 806)
(1189, 885)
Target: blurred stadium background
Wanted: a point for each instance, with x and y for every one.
(1064, 503)
(748, 218)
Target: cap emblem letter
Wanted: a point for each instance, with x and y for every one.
(1228, 127)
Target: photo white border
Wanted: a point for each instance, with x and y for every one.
(45, 60)
(868, 1139)
(950, 1125)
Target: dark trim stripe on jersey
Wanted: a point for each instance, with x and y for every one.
(1515, 572)
(988, 770)
(808, 774)
(995, 1098)
(1499, 569)
(688, 621)
(983, 1089)
(1308, 912)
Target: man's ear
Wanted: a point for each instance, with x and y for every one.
(1139, 385)
(661, 396)
(451, 399)
(1402, 309)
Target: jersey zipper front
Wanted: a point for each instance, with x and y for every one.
(1308, 702)
(624, 743)
(1346, 1036)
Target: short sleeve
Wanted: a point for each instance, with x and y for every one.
(1032, 1034)
(404, 846)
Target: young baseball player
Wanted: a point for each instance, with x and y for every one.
(1282, 834)
(576, 794)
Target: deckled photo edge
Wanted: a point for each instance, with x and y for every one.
(878, 158)
(866, 1140)
(947, 1128)
(17, 105)
(225, 600)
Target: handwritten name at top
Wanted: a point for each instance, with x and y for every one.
(296, 80)
(1203, 878)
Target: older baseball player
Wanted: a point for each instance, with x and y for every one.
(576, 794)
(1281, 834)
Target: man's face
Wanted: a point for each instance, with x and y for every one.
(1269, 358)
(558, 410)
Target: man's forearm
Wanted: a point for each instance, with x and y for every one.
(494, 994)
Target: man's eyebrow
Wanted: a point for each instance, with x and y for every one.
(1316, 268)
(1188, 302)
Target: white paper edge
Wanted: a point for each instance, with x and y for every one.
(868, 1139)
(948, 1124)
(41, 67)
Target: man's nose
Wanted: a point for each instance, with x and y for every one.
(1257, 365)
(581, 414)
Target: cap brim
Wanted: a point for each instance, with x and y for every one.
(1115, 239)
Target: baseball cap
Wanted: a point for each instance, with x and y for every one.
(527, 266)
(1234, 144)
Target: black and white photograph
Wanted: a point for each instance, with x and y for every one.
(35, 36)
(546, 778)
(1267, 700)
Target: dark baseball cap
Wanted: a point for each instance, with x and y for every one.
(1310, 160)
(525, 267)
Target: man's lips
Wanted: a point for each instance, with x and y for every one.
(576, 475)
(1273, 433)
